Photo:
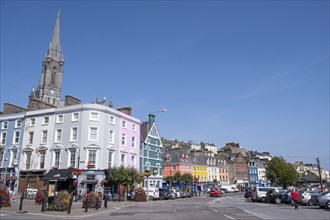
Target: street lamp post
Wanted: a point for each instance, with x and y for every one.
(147, 174)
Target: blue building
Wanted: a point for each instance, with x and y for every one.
(253, 172)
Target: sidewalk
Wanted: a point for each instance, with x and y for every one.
(76, 209)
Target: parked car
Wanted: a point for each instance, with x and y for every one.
(215, 192)
(275, 195)
(286, 197)
(324, 200)
(305, 197)
(190, 194)
(176, 193)
(152, 192)
(259, 193)
(314, 198)
(173, 195)
(183, 194)
(248, 194)
(223, 190)
(164, 194)
(230, 188)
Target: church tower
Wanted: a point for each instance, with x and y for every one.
(48, 92)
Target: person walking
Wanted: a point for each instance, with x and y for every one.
(294, 196)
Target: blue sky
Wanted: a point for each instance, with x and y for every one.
(251, 72)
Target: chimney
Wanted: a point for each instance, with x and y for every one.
(126, 110)
(151, 119)
(70, 100)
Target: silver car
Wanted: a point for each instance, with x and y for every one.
(324, 200)
(305, 197)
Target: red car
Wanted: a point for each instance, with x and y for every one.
(215, 192)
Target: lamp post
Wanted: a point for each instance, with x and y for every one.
(147, 174)
(162, 110)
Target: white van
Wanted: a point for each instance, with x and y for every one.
(259, 193)
(230, 188)
(153, 192)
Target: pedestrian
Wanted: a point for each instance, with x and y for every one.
(294, 198)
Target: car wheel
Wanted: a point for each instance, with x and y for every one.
(277, 200)
(263, 199)
(327, 205)
(309, 203)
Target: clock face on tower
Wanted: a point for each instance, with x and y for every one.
(52, 92)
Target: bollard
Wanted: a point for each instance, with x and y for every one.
(86, 205)
(97, 203)
(70, 204)
(105, 202)
(21, 203)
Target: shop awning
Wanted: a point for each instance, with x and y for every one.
(58, 175)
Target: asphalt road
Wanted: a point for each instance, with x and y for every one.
(230, 206)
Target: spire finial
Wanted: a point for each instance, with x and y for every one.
(54, 50)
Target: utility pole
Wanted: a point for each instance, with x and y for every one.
(319, 168)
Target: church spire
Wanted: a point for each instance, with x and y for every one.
(54, 49)
(48, 93)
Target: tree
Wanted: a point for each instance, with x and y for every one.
(169, 180)
(281, 173)
(177, 177)
(187, 178)
(127, 177)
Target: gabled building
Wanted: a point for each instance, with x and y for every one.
(241, 169)
(151, 152)
(226, 169)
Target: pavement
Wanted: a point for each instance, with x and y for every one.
(28, 206)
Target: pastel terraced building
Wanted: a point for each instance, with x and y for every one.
(57, 135)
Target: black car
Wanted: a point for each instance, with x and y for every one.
(248, 194)
(275, 195)
(164, 194)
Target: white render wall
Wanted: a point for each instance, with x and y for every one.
(83, 144)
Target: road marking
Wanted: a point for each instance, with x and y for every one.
(215, 210)
(229, 217)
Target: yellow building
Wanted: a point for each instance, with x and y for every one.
(200, 171)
